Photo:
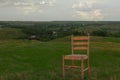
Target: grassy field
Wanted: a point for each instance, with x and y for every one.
(35, 60)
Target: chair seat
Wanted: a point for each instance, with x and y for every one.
(75, 57)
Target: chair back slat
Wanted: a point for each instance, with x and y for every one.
(80, 48)
(80, 38)
(80, 43)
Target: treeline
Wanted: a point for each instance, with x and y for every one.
(45, 31)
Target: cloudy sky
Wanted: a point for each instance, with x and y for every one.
(52, 10)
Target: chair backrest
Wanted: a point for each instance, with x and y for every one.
(80, 43)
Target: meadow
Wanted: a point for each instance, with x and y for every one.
(36, 60)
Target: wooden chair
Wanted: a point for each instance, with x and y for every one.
(78, 43)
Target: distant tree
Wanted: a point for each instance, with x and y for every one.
(100, 33)
(79, 33)
(117, 34)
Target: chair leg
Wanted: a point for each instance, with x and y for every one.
(88, 68)
(73, 67)
(82, 70)
(63, 70)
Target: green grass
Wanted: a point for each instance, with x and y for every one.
(11, 33)
(35, 60)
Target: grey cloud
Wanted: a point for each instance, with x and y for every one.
(28, 6)
(86, 10)
(59, 10)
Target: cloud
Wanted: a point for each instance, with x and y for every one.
(4, 2)
(86, 10)
(32, 6)
(28, 6)
(91, 15)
